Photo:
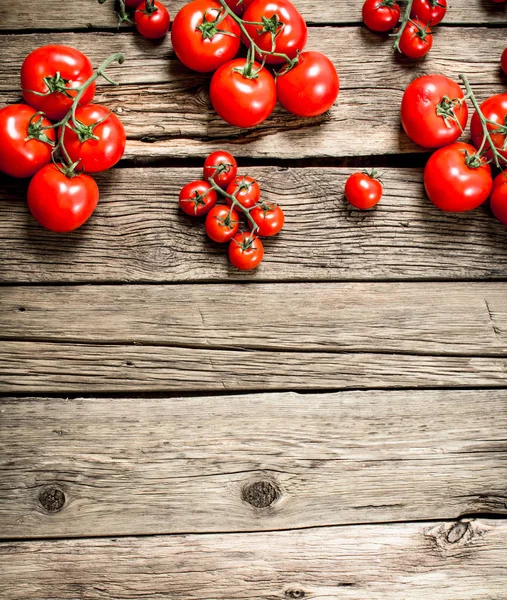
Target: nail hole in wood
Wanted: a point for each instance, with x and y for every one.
(295, 594)
(52, 499)
(129, 363)
(260, 494)
(21, 309)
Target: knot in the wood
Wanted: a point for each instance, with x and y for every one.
(52, 499)
(457, 532)
(294, 594)
(260, 494)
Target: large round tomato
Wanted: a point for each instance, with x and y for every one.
(456, 179)
(498, 201)
(381, 15)
(221, 166)
(494, 109)
(202, 39)
(268, 217)
(429, 11)
(240, 98)
(309, 88)
(55, 71)
(152, 21)
(222, 223)
(197, 198)
(363, 190)
(100, 154)
(245, 190)
(282, 24)
(416, 39)
(25, 147)
(433, 111)
(246, 251)
(61, 203)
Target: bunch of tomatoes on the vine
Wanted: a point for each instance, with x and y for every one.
(241, 195)
(150, 17)
(58, 134)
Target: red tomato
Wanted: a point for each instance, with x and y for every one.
(220, 166)
(222, 223)
(60, 203)
(202, 41)
(433, 111)
(100, 154)
(246, 251)
(311, 87)
(494, 109)
(503, 61)
(131, 3)
(363, 190)
(57, 70)
(246, 191)
(456, 179)
(236, 6)
(282, 24)
(197, 198)
(381, 15)
(240, 99)
(152, 19)
(498, 201)
(429, 11)
(269, 218)
(416, 39)
(20, 156)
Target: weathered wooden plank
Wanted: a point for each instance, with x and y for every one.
(139, 234)
(464, 560)
(146, 466)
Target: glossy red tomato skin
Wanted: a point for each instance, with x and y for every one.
(411, 44)
(240, 101)
(197, 198)
(291, 38)
(60, 203)
(249, 191)
(20, 158)
(431, 12)
(196, 53)
(269, 218)
(503, 61)
(451, 185)
(494, 109)
(236, 6)
(380, 16)
(222, 223)
(311, 87)
(155, 25)
(498, 200)
(363, 191)
(221, 166)
(419, 111)
(102, 154)
(246, 251)
(46, 61)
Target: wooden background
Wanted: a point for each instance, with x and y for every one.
(332, 426)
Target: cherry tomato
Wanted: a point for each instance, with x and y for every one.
(222, 223)
(433, 111)
(269, 218)
(503, 61)
(456, 179)
(498, 201)
(152, 19)
(60, 203)
(100, 154)
(429, 11)
(363, 190)
(381, 15)
(282, 24)
(197, 198)
(246, 251)
(311, 87)
(243, 100)
(198, 39)
(416, 39)
(494, 109)
(220, 166)
(246, 191)
(58, 70)
(20, 156)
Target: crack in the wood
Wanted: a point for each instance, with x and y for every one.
(496, 330)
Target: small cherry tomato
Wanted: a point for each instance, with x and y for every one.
(498, 201)
(416, 39)
(152, 19)
(222, 223)
(220, 166)
(246, 251)
(197, 198)
(381, 15)
(429, 11)
(494, 109)
(246, 191)
(269, 218)
(363, 190)
(503, 61)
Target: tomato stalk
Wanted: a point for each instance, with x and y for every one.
(122, 14)
(235, 204)
(405, 21)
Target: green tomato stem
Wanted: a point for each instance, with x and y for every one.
(235, 204)
(405, 21)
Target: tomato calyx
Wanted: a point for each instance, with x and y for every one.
(209, 29)
(85, 132)
(422, 31)
(475, 160)
(388, 3)
(149, 8)
(55, 84)
(267, 206)
(274, 25)
(36, 129)
(247, 241)
(197, 200)
(445, 109)
(373, 174)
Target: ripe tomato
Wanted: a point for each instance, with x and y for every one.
(282, 24)
(100, 154)
(456, 179)
(55, 71)
(433, 111)
(494, 109)
(269, 218)
(236, 6)
(381, 15)
(429, 11)
(311, 87)
(246, 251)
(60, 203)
(131, 3)
(197, 198)
(20, 156)
(363, 190)
(152, 19)
(243, 100)
(416, 39)
(498, 201)
(220, 166)
(222, 223)
(246, 191)
(202, 41)
(503, 61)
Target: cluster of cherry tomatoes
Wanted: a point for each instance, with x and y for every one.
(150, 17)
(58, 134)
(207, 35)
(242, 196)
